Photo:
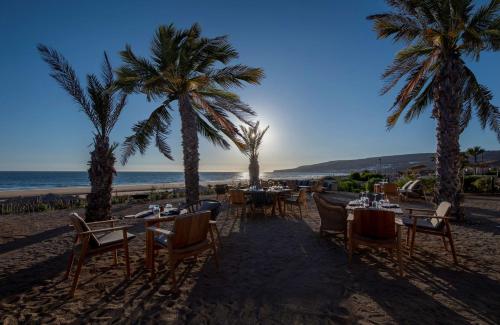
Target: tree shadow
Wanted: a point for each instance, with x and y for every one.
(33, 239)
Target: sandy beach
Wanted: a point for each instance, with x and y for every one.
(273, 271)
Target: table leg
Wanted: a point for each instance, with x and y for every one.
(149, 242)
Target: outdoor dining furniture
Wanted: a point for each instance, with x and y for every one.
(221, 191)
(390, 191)
(277, 193)
(375, 228)
(238, 201)
(260, 200)
(91, 242)
(333, 216)
(188, 238)
(432, 222)
(299, 201)
(214, 207)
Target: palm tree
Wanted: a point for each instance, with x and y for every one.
(102, 104)
(252, 138)
(475, 152)
(186, 67)
(438, 35)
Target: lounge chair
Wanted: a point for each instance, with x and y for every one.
(375, 228)
(95, 242)
(414, 190)
(188, 238)
(299, 201)
(333, 216)
(432, 222)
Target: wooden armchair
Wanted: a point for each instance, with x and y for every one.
(237, 200)
(214, 207)
(95, 242)
(432, 222)
(375, 228)
(333, 216)
(299, 201)
(391, 191)
(188, 238)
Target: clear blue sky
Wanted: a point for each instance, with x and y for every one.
(320, 97)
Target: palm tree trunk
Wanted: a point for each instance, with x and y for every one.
(253, 171)
(189, 132)
(447, 108)
(101, 172)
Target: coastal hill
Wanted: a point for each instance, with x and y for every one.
(388, 164)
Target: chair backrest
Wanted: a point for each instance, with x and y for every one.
(374, 224)
(443, 210)
(237, 197)
(220, 189)
(302, 197)
(81, 226)
(190, 229)
(407, 185)
(333, 215)
(291, 184)
(390, 189)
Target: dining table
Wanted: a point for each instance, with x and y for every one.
(386, 206)
(277, 193)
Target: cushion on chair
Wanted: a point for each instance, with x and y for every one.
(210, 205)
(424, 223)
(111, 238)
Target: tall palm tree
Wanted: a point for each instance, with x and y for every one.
(475, 152)
(438, 35)
(192, 70)
(102, 104)
(252, 138)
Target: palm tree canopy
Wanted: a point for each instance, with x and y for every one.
(183, 63)
(434, 31)
(475, 151)
(252, 138)
(100, 101)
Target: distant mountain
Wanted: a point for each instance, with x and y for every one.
(388, 164)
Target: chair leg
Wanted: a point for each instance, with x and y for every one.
(115, 257)
(216, 257)
(350, 250)
(218, 236)
(300, 212)
(70, 264)
(345, 239)
(127, 257)
(398, 248)
(444, 243)
(407, 236)
(81, 259)
(173, 265)
(452, 246)
(412, 243)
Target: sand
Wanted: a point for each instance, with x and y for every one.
(273, 270)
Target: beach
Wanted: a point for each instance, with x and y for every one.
(272, 270)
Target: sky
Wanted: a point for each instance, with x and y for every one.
(320, 96)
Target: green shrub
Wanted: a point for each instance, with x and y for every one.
(366, 176)
(369, 184)
(468, 183)
(348, 185)
(482, 184)
(355, 176)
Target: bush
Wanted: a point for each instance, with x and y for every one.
(366, 176)
(355, 176)
(348, 185)
(369, 184)
(468, 183)
(482, 184)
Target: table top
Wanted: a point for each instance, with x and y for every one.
(284, 190)
(352, 205)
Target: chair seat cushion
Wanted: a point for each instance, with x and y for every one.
(163, 241)
(112, 238)
(422, 223)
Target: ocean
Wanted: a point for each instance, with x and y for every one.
(42, 180)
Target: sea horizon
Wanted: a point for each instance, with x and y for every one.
(31, 180)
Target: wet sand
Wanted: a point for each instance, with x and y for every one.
(272, 270)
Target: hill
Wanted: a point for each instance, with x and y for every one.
(388, 164)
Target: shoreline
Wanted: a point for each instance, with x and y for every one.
(83, 190)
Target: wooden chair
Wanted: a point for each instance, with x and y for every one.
(260, 200)
(299, 201)
(333, 216)
(188, 238)
(214, 207)
(96, 242)
(430, 222)
(221, 191)
(391, 191)
(237, 200)
(375, 228)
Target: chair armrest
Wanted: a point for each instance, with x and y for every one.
(416, 216)
(101, 222)
(160, 231)
(96, 231)
(430, 211)
(212, 222)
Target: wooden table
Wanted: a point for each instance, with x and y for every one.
(276, 195)
(397, 211)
